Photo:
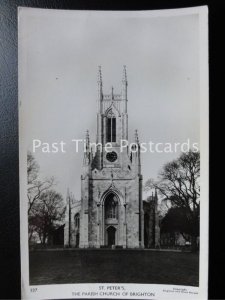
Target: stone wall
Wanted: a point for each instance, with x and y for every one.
(126, 187)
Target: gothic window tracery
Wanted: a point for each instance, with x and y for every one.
(111, 207)
(110, 128)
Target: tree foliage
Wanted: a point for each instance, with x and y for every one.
(46, 214)
(178, 183)
(45, 206)
(176, 220)
(35, 186)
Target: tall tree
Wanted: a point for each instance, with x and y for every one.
(178, 183)
(47, 213)
(35, 186)
(45, 206)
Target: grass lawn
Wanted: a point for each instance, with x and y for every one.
(115, 266)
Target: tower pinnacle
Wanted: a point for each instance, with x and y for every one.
(100, 75)
(112, 93)
(86, 159)
(100, 91)
(136, 139)
(87, 136)
(124, 89)
(124, 74)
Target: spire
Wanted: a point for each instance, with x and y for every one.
(136, 139)
(156, 195)
(112, 95)
(100, 75)
(137, 154)
(124, 80)
(87, 138)
(100, 92)
(87, 142)
(124, 89)
(86, 150)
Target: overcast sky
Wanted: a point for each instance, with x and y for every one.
(59, 56)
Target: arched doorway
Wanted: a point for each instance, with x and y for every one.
(111, 233)
(111, 213)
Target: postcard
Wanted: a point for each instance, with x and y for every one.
(113, 141)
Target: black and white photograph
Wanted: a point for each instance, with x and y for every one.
(113, 133)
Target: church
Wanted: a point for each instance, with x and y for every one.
(110, 212)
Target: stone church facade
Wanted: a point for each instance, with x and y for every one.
(110, 213)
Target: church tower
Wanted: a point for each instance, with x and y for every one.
(111, 183)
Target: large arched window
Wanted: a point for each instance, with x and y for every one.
(110, 128)
(111, 207)
(77, 221)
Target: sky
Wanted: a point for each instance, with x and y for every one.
(59, 55)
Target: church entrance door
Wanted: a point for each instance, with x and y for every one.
(111, 231)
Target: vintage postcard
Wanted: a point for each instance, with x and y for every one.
(113, 131)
